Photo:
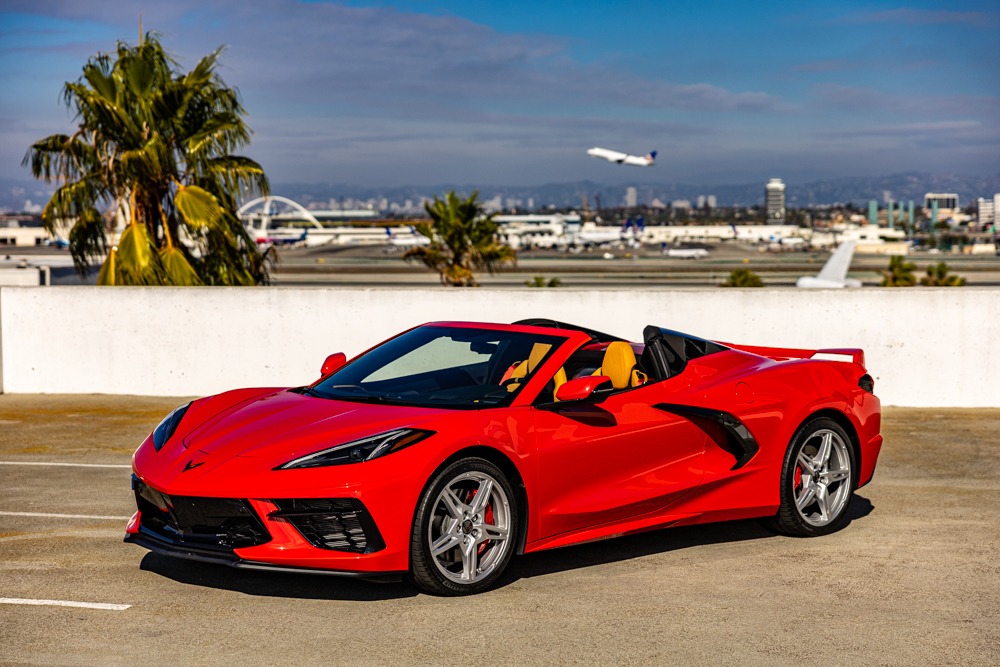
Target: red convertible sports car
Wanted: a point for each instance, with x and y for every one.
(445, 450)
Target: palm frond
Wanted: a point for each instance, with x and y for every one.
(108, 274)
(198, 207)
(202, 73)
(136, 257)
(100, 81)
(87, 241)
(176, 268)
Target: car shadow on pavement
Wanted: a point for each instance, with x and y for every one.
(655, 542)
(319, 587)
(303, 586)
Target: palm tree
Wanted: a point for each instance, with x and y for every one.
(937, 276)
(463, 239)
(153, 148)
(540, 281)
(900, 273)
(743, 278)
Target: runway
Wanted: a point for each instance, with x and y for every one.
(596, 268)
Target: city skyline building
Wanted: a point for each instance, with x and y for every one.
(631, 197)
(774, 199)
(987, 210)
(947, 202)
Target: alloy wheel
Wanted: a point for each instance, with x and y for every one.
(469, 532)
(822, 478)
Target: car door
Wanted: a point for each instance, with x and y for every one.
(621, 458)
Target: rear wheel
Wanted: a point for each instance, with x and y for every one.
(464, 529)
(817, 480)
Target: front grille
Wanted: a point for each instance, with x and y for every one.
(221, 524)
(338, 524)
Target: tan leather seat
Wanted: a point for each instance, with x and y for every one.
(559, 379)
(520, 370)
(619, 365)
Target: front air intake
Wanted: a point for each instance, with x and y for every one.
(338, 524)
(220, 524)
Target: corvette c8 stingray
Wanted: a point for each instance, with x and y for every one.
(446, 450)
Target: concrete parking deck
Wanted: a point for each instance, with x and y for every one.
(914, 579)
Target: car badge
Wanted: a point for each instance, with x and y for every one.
(191, 465)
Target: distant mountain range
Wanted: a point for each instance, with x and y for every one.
(856, 189)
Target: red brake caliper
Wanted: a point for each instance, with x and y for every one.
(797, 480)
(487, 518)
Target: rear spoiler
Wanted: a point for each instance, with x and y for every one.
(857, 355)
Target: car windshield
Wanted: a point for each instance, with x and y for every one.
(447, 367)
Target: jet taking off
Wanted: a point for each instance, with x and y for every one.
(623, 158)
(834, 272)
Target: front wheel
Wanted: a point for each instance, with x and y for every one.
(464, 529)
(817, 480)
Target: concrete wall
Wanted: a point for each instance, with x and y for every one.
(24, 277)
(925, 346)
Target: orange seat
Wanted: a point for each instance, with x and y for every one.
(620, 366)
(558, 380)
(520, 370)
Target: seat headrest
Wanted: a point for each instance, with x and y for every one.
(521, 369)
(538, 352)
(619, 360)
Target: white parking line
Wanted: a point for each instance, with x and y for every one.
(67, 603)
(68, 465)
(66, 516)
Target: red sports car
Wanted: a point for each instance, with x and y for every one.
(445, 450)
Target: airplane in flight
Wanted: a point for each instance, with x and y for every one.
(833, 275)
(623, 158)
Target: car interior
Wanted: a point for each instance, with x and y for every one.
(663, 354)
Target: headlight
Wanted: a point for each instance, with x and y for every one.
(366, 449)
(167, 427)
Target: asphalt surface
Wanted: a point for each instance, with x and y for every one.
(913, 580)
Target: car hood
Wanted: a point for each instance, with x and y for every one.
(283, 425)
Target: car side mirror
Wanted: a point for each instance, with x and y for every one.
(332, 363)
(581, 388)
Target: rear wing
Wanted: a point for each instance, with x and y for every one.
(857, 355)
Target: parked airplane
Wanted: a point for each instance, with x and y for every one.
(623, 158)
(834, 272)
(286, 239)
(411, 240)
(687, 253)
(599, 236)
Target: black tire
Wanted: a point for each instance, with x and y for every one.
(814, 517)
(456, 570)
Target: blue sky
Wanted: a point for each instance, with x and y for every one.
(423, 93)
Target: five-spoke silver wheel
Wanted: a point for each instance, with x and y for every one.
(817, 480)
(468, 534)
(465, 529)
(822, 478)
